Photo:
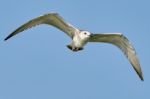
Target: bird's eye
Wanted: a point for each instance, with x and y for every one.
(85, 33)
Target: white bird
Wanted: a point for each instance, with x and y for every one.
(80, 37)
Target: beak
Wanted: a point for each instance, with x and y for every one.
(91, 35)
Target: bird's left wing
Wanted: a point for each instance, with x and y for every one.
(53, 19)
(123, 43)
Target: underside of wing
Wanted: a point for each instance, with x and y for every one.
(123, 43)
(51, 19)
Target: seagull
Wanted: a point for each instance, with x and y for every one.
(81, 37)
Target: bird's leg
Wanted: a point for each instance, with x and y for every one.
(70, 47)
(80, 48)
(73, 48)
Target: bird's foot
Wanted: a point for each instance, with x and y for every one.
(75, 49)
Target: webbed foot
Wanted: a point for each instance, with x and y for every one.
(75, 49)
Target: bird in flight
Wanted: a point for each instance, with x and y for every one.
(81, 37)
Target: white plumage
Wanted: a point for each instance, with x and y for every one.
(80, 37)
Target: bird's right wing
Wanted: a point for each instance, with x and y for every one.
(123, 43)
(53, 19)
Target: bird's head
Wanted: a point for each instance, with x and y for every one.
(85, 34)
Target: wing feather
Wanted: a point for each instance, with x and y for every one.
(123, 43)
(53, 19)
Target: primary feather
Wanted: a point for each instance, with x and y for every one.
(123, 43)
(51, 19)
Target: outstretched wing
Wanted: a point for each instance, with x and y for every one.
(123, 43)
(53, 19)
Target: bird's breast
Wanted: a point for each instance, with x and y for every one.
(78, 42)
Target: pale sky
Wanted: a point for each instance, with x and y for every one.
(36, 64)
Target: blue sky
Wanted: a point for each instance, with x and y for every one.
(37, 65)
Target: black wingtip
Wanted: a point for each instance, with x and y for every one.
(141, 77)
(6, 38)
(9, 36)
